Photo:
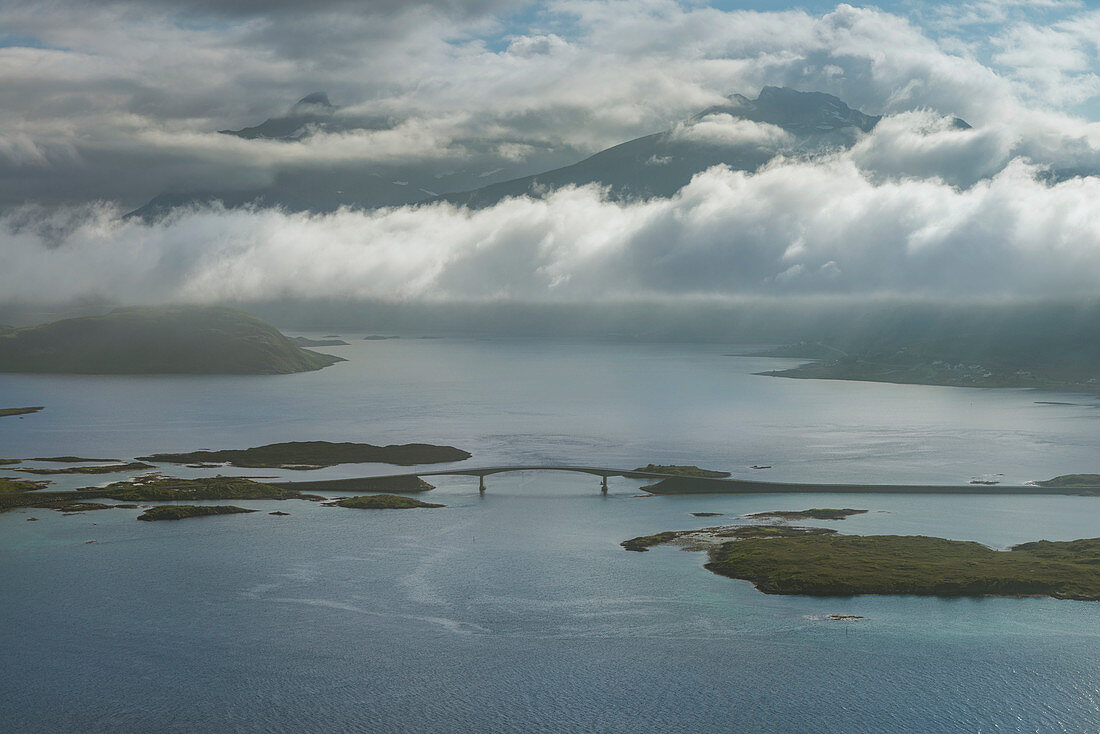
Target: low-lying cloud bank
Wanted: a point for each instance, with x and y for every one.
(797, 227)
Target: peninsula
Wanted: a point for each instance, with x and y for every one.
(167, 340)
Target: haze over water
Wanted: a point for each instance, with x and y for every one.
(518, 611)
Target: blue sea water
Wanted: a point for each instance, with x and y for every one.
(516, 610)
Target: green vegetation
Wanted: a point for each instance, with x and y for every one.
(682, 471)
(843, 565)
(383, 502)
(100, 469)
(708, 537)
(151, 489)
(202, 488)
(644, 542)
(407, 483)
(313, 454)
(71, 459)
(1088, 481)
(9, 462)
(179, 512)
(20, 411)
(16, 486)
(168, 340)
(811, 514)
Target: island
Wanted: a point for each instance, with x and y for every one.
(1072, 481)
(149, 488)
(72, 460)
(180, 512)
(705, 538)
(98, 469)
(162, 340)
(678, 470)
(317, 454)
(382, 502)
(18, 486)
(20, 411)
(405, 483)
(820, 562)
(813, 513)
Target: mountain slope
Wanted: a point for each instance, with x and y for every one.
(741, 133)
(166, 340)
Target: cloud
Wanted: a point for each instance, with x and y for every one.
(724, 129)
(796, 227)
(118, 100)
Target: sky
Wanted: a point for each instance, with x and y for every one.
(105, 104)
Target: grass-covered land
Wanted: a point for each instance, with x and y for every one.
(10, 462)
(383, 502)
(167, 340)
(681, 471)
(73, 460)
(153, 489)
(843, 565)
(202, 488)
(20, 411)
(18, 486)
(813, 513)
(1087, 481)
(180, 512)
(707, 537)
(406, 483)
(98, 469)
(312, 454)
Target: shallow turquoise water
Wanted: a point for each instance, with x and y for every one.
(517, 610)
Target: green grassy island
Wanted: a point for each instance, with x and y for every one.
(709, 537)
(383, 502)
(166, 340)
(180, 512)
(19, 411)
(18, 486)
(98, 469)
(819, 562)
(811, 514)
(1076, 481)
(682, 471)
(316, 454)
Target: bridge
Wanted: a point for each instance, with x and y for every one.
(680, 484)
(480, 473)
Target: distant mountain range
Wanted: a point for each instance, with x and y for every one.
(741, 133)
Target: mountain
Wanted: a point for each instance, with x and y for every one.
(166, 340)
(741, 133)
(663, 163)
(311, 110)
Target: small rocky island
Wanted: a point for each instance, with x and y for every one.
(317, 454)
(382, 502)
(680, 470)
(820, 562)
(180, 512)
(20, 411)
(813, 513)
(166, 340)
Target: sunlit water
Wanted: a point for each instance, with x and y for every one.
(517, 610)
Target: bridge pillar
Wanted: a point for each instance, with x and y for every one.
(481, 483)
(603, 484)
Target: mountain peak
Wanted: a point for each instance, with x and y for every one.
(801, 113)
(312, 104)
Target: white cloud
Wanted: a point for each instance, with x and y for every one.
(798, 227)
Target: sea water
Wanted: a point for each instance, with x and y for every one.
(517, 610)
